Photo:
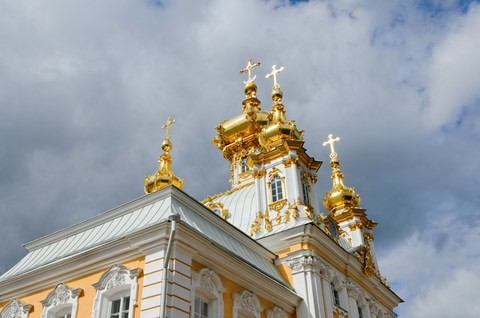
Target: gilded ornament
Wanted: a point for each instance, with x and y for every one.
(259, 173)
(278, 218)
(254, 227)
(267, 222)
(228, 192)
(277, 205)
(293, 210)
(355, 226)
(289, 161)
(248, 69)
(286, 216)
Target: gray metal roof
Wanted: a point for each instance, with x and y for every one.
(131, 218)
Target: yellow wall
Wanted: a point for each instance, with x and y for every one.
(231, 288)
(85, 301)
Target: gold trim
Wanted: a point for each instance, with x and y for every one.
(277, 205)
(259, 173)
(228, 192)
(289, 161)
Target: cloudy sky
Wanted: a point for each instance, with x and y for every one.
(86, 85)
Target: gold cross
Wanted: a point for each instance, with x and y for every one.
(167, 125)
(331, 141)
(274, 73)
(248, 68)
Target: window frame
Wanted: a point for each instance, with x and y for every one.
(207, 286)
(276, 188)
(63, 299)
(118, 281)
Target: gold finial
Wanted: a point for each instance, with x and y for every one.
(170, 121)
(274, 73)
(248, 69)
(331, 141)
(277, 94)
(164, 175)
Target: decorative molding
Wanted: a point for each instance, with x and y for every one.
(116, 278)
(257, 174)
(276, 312)
(278, 205)
(207, 278)
(304, 263)
(207, 282)
(353, 290)
(16, 309)
(289, 161)
(61, 297)
(246, 301)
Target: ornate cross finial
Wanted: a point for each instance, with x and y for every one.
(167, 125)
(248, 68)
(331, 141)
(274, 73)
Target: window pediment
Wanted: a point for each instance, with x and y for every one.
(16, 309)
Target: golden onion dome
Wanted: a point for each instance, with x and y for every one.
(340, 195)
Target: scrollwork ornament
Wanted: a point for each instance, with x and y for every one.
(304, 263)
(206, 279)
(117, 279)
(15, 309)
(62, 295)
(277, 312)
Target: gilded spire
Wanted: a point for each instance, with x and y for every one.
(164, 175)
(340, 195)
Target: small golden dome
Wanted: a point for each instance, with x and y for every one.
(340, 195)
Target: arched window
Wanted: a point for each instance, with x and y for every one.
(276, 188)
(116, 293)
(306, 191)
(61, 302)
(206, 294)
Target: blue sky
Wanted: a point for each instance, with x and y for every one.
(85, 87)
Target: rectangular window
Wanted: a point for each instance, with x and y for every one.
(306, 194)
(336, 297)
(201, 308)
(244, 167)
(277, 191)
(360, 313)
(119, 307)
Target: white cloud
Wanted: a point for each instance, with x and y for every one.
(455, 71)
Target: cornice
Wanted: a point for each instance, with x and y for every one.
(333, 254)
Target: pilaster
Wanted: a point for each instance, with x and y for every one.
(307, 283)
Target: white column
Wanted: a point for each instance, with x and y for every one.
(326, 277)
(307, 283)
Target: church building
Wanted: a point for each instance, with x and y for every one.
(268, 247)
